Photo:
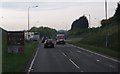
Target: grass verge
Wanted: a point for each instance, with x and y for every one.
(100, 50)
(16, 62)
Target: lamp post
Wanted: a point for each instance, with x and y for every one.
(107, 34)
(29, 18)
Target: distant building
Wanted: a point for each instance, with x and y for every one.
(31, 36)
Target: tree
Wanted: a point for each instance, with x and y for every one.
(44, 31)
(81, 23)
(117, 13)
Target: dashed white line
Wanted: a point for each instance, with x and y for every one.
(95, 53)
(74, 63)
(97, 60)
(79, 51)
(30, 68)
(64, 54)
(81, 71)
(110, 65)
(70, 60)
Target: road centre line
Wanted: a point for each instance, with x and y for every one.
(97, 60)
(79, 51)
(110, 65)
(64, 54)
(74, 63)
(82, 71)
(96, 53)
(70, 60)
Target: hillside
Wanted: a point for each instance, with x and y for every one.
(96, 37)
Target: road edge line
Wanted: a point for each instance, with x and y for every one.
(32, 62)
(96, 53)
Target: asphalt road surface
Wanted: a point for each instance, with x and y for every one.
(68, 58)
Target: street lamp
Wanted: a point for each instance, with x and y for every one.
(28, 18)
(107, 34)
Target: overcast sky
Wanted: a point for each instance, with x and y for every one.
(55, 14)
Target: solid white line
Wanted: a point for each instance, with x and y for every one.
(30, 68)
(96, 53)
(74, 63)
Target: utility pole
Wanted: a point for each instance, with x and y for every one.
(29, 18)
(89, 21)
(107, 34)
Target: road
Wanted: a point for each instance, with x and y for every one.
(68, 58)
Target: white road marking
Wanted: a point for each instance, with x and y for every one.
(64, 54)
(70, 60)
(30, 68)
(110, 65)
(79, 51)
(95, 53)
(97, 60)
(74, 63)
(81, 71)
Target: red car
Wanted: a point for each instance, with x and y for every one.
(60, 41)
(48, 43)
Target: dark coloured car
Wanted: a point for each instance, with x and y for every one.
(48, 43)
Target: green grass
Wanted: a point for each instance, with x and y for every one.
(95, 40)
(100, 50)
(16, 62)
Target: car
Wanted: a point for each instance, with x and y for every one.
(48, 43)
(60, 41)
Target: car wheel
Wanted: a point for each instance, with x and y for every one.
(45, 47)
(53, 47)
